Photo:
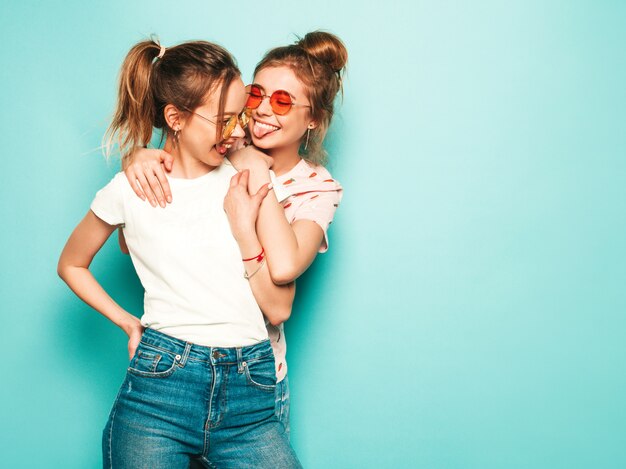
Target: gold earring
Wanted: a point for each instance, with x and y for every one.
(308, 132)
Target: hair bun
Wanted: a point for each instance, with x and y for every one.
(326, 48)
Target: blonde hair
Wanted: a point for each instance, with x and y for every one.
(152, 77)
(318, 61)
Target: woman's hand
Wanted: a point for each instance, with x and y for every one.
(145, 172)
(242, 208)
(250, 157)
(134, 330)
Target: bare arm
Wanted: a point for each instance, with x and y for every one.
(290, 248)
(73, 267)
(241, 208)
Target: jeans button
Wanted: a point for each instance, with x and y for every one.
(216, 354)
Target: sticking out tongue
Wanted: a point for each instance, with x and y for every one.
(221, 149)
(260, 132)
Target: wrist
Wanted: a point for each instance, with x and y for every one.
(250, 251)
(128, 323)
(245, 235)
(257, 257)
(259, 175)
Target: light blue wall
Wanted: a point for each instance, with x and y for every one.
(471, 310)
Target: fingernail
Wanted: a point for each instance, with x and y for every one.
(270, 185)
(169, 198)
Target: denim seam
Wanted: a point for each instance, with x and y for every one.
(279, 404)
(155, 362)
(153, 359)
(222, 401)
(283, 397)
(111, 434)
(264, 387)
(148, 356)
(256, 359)
(208, 361)
(211, 465)
(113, 412)
(164, 338)
(186, 352)
(155, 374)
(240, 360)
(156, 347)
(207, 425)
(224, 397)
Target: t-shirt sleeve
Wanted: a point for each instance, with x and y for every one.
(280, 191)
(320, 207)
(108, 204)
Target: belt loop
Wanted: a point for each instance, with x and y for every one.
(183, 359)
(240, 361)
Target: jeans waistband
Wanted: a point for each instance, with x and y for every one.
(216, 355)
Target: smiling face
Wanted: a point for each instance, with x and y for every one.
(198, 137)
(271, 131)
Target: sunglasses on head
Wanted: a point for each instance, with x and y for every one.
(231, 124)
(280, 100)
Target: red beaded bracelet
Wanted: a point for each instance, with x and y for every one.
(258, 257)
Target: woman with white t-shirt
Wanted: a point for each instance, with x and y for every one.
(290, 104)
(201, 381)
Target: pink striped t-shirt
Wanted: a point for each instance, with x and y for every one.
(306, 192)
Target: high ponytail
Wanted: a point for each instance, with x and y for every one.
(318, 60)
(135, 112)
(152, 77)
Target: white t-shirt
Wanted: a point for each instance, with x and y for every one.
(187, 260)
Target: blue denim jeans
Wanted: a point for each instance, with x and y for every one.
(181, 401)
(281, 405)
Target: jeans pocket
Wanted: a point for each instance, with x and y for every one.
(261, 373)
(152, 362)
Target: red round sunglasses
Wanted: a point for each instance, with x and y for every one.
(280, 100)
